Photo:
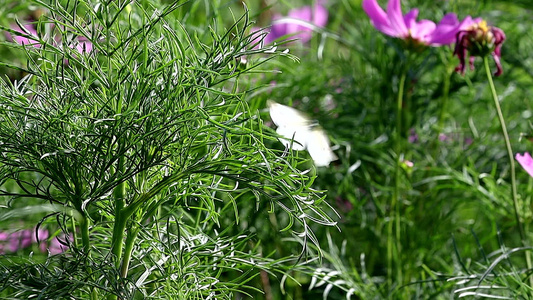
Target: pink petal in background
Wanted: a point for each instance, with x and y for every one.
(526, 162)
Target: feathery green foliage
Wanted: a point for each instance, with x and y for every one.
(151, 155)
(145, 147)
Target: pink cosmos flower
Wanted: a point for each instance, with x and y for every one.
(526, 162)
(424, 32)
(40, 236)
(316, 15)
(25, 238)
(476, 38)
(4, 236)
(58, 245)
(413, 136)
(15, 241)
(299, 23)
(256, 35)
(28, 29)
(443, 137)
(83, 45)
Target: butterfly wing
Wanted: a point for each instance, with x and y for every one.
(319, 149)
(295, 137)
(292, 124)
(298, 131)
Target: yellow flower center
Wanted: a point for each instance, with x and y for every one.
(483, 26)
(480, 26)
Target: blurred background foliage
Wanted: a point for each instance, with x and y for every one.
(456, 211)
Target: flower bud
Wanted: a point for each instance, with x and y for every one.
(479, 39)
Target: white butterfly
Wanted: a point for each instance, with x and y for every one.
(301, 133)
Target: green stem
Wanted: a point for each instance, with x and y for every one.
(130, 240)
(511, 162)
(120, 218)
(393, 251)
(117, 243)
(444, 104)
(118, 235)
(74, 234)
(84, 227)
(509, 149)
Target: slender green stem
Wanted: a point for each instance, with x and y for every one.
(511, 163)
(444, 100)
(393, 242)
(130, 241)
(84, 227)
(509, 149)
(117, 243)
(528, 258)
(74, 234)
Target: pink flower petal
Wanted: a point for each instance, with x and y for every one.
(256, 35)
(28, 29)
(305, 14)
(394, 14)
(468, 21)
(277, 30)
(418, 30)
(379, 18)
(57, 246)
(25, 238)
(14, 241)
(84, 46)
(320, 16)
(316, 15)
(526, 162)
(422, 30)
(499, 69)
(42, 235)
(410, 18)
(446, 31)
(296, 23)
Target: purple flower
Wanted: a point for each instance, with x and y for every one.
(443, 137)
(83, 45)
(299, 22)
(425, 32)
(316, 15)
(4, 236)
(40, 237)
(27, 29)
(478, 39)
(526, 162)
(25, 238)
(57, 245)
(413, 136)
(256, 35)
(14, 241)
